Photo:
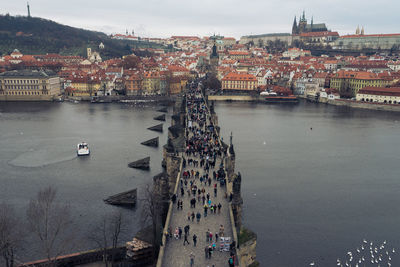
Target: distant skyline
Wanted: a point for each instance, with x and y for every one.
(231, 18)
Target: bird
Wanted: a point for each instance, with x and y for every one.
(312, 264)
(393, 251)
(362, 247)
(365, 241)
(358, 250)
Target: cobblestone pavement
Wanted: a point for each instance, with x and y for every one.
(176, 254)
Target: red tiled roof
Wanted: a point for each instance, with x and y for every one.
(234, 76)
(387, 91)
(372, 35)
(319, 34)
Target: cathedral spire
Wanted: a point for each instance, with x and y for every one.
(358, 30)
(362, 30)
(294, 27)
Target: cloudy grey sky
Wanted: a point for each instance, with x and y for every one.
(163, 18)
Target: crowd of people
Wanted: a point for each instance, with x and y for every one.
(201, 180)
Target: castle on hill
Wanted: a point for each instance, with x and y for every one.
(303, 26)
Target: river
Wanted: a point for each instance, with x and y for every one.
(317, 180)
(38, 148)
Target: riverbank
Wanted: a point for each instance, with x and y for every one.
(363, 105)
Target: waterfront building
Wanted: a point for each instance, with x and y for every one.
(389, 95)
(29, 85)
(151, 83)
(348, 83)
(239, 82)
(83, 86)
(177, 84)
(133, 84)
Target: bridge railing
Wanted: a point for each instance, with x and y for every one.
(168, 219)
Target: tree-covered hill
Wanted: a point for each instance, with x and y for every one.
(40, 36)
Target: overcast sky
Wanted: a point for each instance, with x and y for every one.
(163, 18)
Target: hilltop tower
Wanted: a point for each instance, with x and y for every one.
(89, 52)
(29, 10)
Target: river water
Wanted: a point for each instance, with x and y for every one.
(313, 195)
(38, 148)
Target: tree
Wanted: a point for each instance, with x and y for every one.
(51, 223)
(107, 234)
(260, 43)
(131, 62)
(10, 234)
(151, 214)
(212, 82)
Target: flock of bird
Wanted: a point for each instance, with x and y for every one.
(367, 254)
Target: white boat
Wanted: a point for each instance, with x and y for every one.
(82, 149)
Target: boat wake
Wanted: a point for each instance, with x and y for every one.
(42, 157)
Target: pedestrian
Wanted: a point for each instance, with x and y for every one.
(221, 230)
(189, 214)
(192, 215)
(182, 191)
(198, 216)
(219, 208)
(186, 239)
(176, 234)
(194, 239)
(216, 237)
(206, 252)
(230, 262)
(191, 256)
(207, 235)
(209, 251)
(180, 232)
(215, 192)
(211, 237)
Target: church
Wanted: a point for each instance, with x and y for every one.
(303, 26)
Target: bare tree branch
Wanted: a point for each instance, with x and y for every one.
(10, 234)
(50, 222)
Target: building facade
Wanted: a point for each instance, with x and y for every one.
(348, 83)
(239, 82)
(29, 85)
(390, 95)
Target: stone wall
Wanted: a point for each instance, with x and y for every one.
(363, 105)
(247, 252)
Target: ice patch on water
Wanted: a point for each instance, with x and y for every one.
(42, 157)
